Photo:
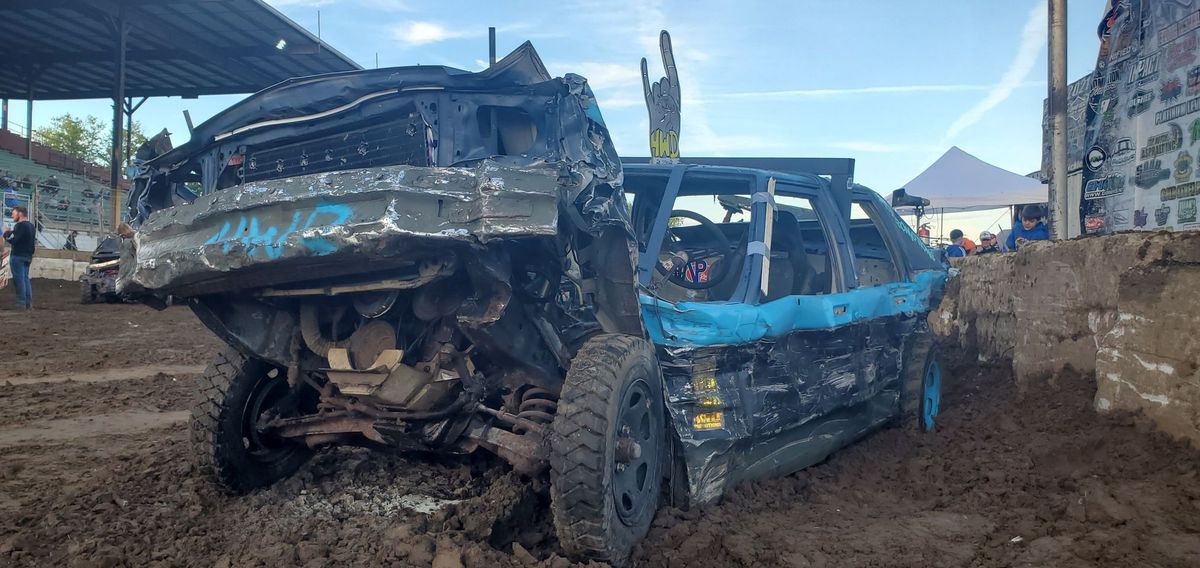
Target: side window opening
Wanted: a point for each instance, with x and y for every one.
(800, 252)
(703, 253)
(874, 262)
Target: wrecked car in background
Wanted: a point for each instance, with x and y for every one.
(433, 260)
(99, 281)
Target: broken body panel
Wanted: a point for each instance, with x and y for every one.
(758, 387)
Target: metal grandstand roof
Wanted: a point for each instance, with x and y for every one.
(67, 49)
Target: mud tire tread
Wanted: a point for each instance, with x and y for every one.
(225, 387)
(584, 517)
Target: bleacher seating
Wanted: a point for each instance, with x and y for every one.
(78, 203)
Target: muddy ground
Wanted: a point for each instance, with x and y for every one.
(94, 471)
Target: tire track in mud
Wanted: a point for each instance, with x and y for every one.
(33, 399)
(106, 375)
(66, 430)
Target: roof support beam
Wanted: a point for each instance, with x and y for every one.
(121, 32)
(151, 55)
(29, 121)
(17, 5)
(130, 108)
(31, 73)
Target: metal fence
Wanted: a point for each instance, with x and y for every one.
(59, 205)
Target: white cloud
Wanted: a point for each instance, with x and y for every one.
(421, 33)
(1033, 39)
(601, 75)
(631, 29)
(417, 32)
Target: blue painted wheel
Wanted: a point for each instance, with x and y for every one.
(931, 394)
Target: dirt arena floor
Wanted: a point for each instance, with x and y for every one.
(95, 471)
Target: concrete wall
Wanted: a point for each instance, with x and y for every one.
(56, 268)
(59, 264)
(1125, 308)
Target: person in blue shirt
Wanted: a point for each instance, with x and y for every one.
(1031, 227)
(959, 245)
(11, 197)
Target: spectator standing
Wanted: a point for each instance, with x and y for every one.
(21, 238)
(1031, 227)
(70, 244)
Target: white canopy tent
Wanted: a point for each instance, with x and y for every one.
(959, 182)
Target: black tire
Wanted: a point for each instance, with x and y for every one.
(611, 399)
(227, 447)
(88, 295)
(921, 354)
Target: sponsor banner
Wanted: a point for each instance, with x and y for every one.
(1139, 164)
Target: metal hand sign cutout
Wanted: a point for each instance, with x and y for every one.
(662, 100)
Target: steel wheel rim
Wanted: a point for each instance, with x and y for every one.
(635, 477)
(259, 446)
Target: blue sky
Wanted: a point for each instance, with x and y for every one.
(892, 84)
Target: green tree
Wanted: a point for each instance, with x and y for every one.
(87, 138)
(79, 137)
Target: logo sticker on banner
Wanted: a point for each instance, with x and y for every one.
(1095, 158)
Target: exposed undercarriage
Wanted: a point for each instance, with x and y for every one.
(463, 352)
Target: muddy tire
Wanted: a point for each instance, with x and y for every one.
(607, 444)
(227, 446)
(920, 397)
(87, 294)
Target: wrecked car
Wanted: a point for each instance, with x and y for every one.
(433, 260)
(99, 281)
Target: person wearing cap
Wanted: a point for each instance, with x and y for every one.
(1031, 227)
(987, 243)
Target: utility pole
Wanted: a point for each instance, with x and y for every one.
(1059, 207)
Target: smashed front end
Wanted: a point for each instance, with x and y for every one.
(424, 247)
